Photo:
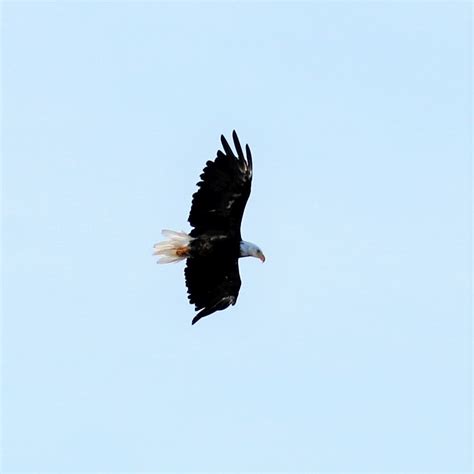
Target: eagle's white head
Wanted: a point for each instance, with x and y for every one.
(247, 249)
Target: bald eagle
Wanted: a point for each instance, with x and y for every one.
(214, 245)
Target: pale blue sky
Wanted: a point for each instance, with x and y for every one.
(349, 349)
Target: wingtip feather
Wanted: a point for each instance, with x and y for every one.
(226, 146)
(249, 156)
(238, 147)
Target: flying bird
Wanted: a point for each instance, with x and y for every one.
(214, 245)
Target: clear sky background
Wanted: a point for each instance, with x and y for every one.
(349, 349)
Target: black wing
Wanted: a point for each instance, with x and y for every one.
(213, 284)
(219, 203)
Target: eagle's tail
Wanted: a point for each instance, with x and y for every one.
(174, 249)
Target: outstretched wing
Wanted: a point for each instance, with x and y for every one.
(213, 284)
(219, 203)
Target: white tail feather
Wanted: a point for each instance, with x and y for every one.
(174, 249)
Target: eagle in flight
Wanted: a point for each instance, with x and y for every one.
(214, 245)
